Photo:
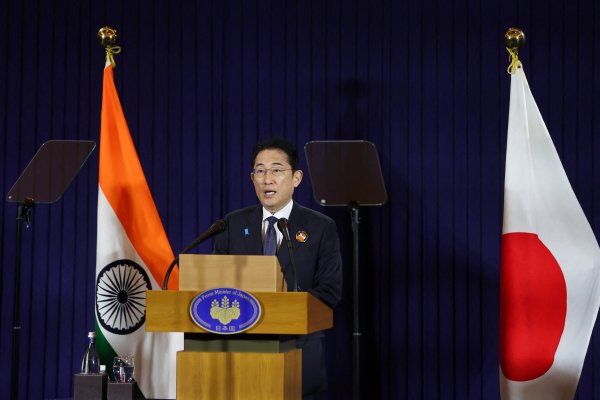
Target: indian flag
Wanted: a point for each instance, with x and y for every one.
(133, 253)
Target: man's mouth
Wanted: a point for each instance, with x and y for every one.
(270, 193)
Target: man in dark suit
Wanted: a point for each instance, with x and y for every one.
(315, 243)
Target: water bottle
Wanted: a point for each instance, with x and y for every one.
(91, 361)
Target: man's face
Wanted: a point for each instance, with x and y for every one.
(274, 192)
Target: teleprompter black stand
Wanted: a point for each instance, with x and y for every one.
(347, 173)
(44, 180)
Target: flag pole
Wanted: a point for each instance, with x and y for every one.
(514, 38)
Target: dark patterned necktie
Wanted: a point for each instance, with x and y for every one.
(270, 244)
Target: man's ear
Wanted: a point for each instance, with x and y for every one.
(297, 177)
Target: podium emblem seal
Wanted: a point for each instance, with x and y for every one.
(225, 311)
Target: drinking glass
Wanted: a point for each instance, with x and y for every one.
(123, 367)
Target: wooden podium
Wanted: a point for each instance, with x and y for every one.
(260, 363)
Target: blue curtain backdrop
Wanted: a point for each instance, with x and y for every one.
(201, 82)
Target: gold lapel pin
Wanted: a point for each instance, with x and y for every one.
(301, 236)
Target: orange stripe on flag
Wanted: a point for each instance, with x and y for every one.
(123, 183)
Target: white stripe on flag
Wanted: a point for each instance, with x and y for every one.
(155, 353)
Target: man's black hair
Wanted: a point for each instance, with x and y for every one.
(278, 143)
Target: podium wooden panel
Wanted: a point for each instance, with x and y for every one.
(249, 273)
(246, 374)
(243, 376)
(282, 313)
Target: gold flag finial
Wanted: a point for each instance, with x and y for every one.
(513, 39)
(107, 37)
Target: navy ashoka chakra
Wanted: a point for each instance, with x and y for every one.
(121, 297)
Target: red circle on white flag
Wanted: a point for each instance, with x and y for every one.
(533, 306)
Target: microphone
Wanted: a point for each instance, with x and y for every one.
(282, 224)
(219, 226)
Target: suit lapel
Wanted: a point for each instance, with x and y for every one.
(297, 222)
(254, 237)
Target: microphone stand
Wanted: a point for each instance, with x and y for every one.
(169, 270)
(282, 224)
(293, 261)
(218, 227)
